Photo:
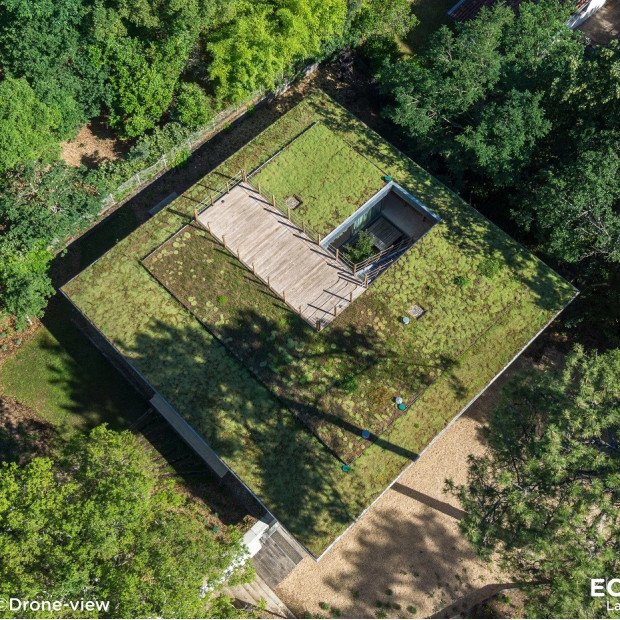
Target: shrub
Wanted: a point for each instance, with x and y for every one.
(324, 606)
(362, 249)
(193, 107)
(462, 281)
(490, 267)
(349, 383)
(222, 299)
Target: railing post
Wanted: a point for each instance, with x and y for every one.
(300, 313)
(258, 188)
(224, 240)
(227, 187)
(318, 325)
(273, 200)
(245, 176)
(319, 236)
(366, 280)
(288, 213)
(195, 214)
(337, 253)
(284, 296)
(355, 269)
(239, 253)
(303, 226)
(211, 196)
(253, 268)
(351, 297)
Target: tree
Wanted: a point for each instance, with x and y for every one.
(455, 73)
(546, 497)
(384, 17)
(39, 207)
(503, 141)
(575, 204)
(47, 44)
(267, 38)
(100, 524)
(193, 108)
(27, 126)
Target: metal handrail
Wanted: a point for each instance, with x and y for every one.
(379, 255)
(218, 192)
(302, 225)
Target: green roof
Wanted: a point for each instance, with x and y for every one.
(234, 361)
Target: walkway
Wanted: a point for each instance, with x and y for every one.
(310, 279)
(604, 26)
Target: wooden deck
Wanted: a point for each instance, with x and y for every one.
(310, 279)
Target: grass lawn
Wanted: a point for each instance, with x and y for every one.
(62, 377)
(475, 323)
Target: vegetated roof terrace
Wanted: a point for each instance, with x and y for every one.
(235, 360)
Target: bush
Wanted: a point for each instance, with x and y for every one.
(462, 281)
(349, 383)
(193, 107)
(490, 267)
(362, 249)
(379, 50)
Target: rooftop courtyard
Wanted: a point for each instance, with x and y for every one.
(318, 300)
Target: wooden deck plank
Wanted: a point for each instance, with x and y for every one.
(282, 254)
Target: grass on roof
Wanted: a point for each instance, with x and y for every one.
(478, 321)
(330, 177)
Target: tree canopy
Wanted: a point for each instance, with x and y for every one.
(100, 524)
(547, 496)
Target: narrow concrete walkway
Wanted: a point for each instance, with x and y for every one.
(313, 282)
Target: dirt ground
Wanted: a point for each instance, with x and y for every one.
(93, 145)
(407, 557)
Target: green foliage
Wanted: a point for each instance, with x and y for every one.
(193, 108)
(49, 47)
(490, 267)
(503, 142)
(39, 207)
(265, 39)
(362, 249)
(575, 204)
(383, 17)
(94, 522)
(378, 50)
(462, 281)
(547, 496)
(27, 126)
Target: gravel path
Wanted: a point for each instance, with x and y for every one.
(408, 544)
